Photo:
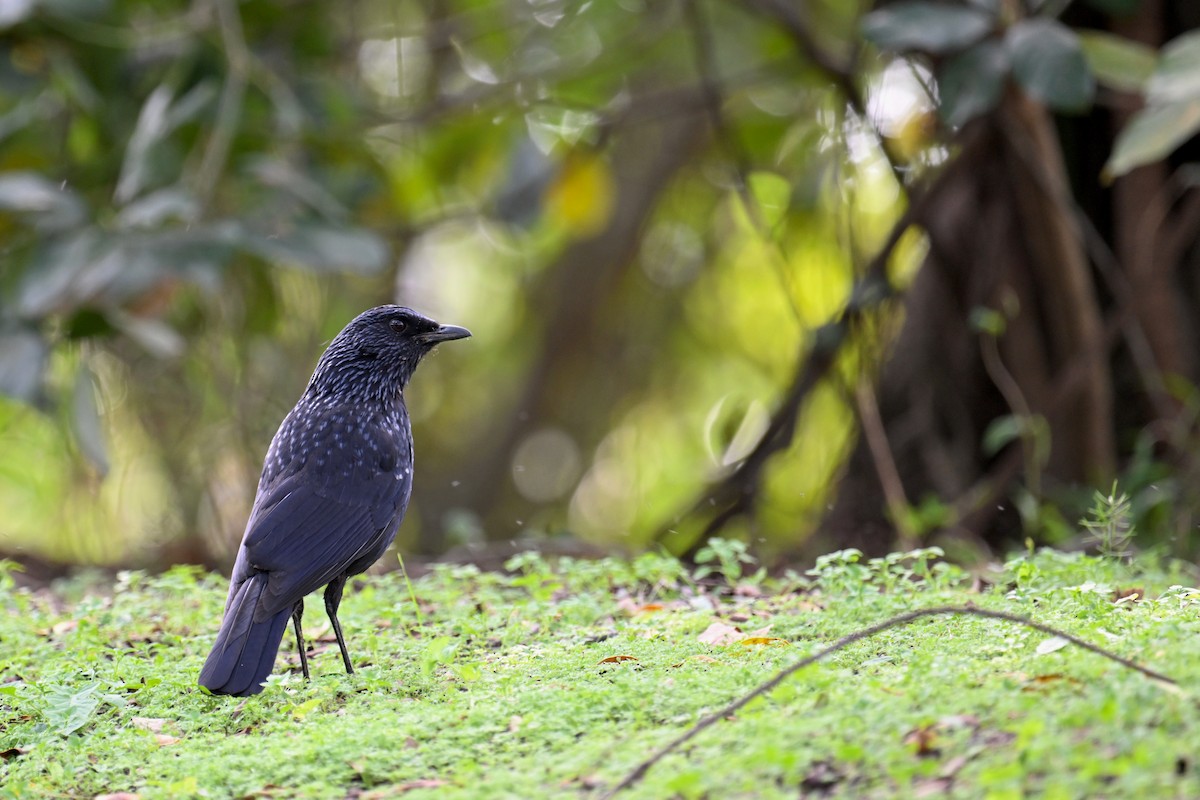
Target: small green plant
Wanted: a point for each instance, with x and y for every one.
(1110, 524)
(726, 557)
(840, 572)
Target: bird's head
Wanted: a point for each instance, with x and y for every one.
(376, 354)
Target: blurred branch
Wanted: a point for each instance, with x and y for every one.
(885, 462)
(735, 495)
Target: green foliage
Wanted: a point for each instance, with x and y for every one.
(728, 559)
(1172, 112)
(1109, 524)
(514, 693)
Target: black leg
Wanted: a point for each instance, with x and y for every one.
(333, 598)
(298, 612)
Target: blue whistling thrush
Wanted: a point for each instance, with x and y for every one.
(334, 488)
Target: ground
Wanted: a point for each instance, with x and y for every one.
(556, 679)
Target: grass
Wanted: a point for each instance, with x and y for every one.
(511, 685)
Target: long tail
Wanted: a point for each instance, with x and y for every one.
(245, 650)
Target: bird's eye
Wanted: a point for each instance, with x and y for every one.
(398, 325)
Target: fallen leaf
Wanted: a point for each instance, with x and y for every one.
(164, 740)
(821, 777)
(764, 640)
(650, 608)
(410, 743)
(1051, 645)
(923, 740)
(738, 616)
(719, 633)
(118, 796)
(747, 590)
(954, 721)
(514, 723)
(615, 659)
(11, 753)
(1039, 682)
(152, 724)
(932, 787)
(1130, 595)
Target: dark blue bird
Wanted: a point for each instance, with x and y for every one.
(334, 488)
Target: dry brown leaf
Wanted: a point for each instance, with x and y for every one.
(1039, 682)
(615, 659)
(932, 787)
(163, 739)
(923, 740)
(118, 796)
(764, 640)
(1131, 594)
(152, 724)
(719, 633)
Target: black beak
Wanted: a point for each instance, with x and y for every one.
(445, 333)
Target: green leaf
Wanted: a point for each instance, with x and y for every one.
(13, 12)
(325, 248)
(1153, 133)
(971, 83)
(1178, 73)
(926, 27)
(23, 355)
(85, 420)
(1048, 62)
(68, 710)
(1001, 432)
(1116, 61)
(51, 206)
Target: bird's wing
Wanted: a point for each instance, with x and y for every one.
(318, 511)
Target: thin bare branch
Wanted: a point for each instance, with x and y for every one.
(641, 769)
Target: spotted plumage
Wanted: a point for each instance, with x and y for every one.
(335, 484)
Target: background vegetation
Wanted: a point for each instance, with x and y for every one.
(810, 274)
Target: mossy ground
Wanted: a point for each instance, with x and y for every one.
(507, 685)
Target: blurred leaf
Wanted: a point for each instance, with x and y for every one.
(926, 27)
(1178, 74)
(13, 12)
(581, 196)
(23, 355)
(85, 420)
(174, 203)
(155, 336)
(1151, 134)
(280, 174)
(93, 267)
(1001, 432)
(53, 206)
(971, 83)
(157, 119)
(773, 194)
(324, 248)
(1116, 61)
(754, 424)
(1048, 62)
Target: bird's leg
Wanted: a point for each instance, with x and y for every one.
(333, 598)
(297, 612)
